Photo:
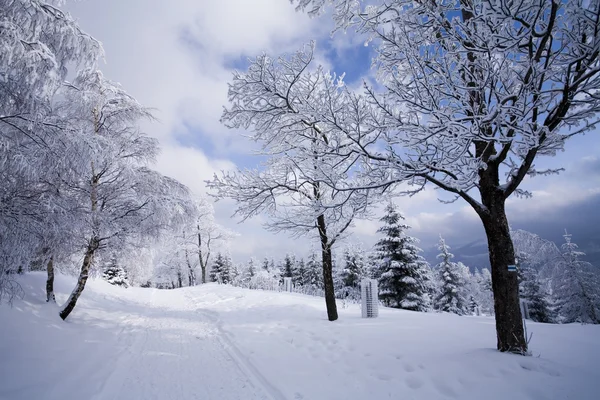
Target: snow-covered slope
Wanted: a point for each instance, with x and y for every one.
(219, 342)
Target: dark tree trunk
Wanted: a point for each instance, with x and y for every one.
(505, 285)
(50, 281)
(332, 314)
(88, 259)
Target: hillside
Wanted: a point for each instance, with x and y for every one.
(220, 342)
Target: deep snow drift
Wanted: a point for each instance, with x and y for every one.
(220, 342)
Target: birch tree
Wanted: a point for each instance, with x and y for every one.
(471, 93)
(122, 200)
(38, 42)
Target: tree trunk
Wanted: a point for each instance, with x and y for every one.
(88, 259)
(191, 275)
(332, 314)
(202, 263)
(505, 285)
(50, 281)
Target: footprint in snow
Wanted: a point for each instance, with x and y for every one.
(384, 377)
(413, 382)
(409, 368)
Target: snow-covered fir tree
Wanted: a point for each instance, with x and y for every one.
(577, 284)
(405, 275)
(220, 271)
(300, 273)
(266, 264)
(314, 272)
(451, 296)
(249, 272)
(534, 293)
(352, 272)
(473, 305)
(115, 274)
(481, 287)
(288, 266)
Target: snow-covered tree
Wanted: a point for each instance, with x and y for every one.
(300, 273)
(452, 294)
(221, 269)
(235, 274)
(269, 99)
(39, 44)
(249, 272)
(264, 280)
(266, 264)
(353, 270)
(470, 94)
(206, 233)
(473, 305)
(121, 200)
(535, 252)
(577, 284)
(314, 272)
(405, 275)
(481, 288)
(534, 293)
(288, 267)
(115, 274)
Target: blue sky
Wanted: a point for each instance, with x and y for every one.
(178, 56)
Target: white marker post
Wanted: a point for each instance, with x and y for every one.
(287, 284)
(369, 298)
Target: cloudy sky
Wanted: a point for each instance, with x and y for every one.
(177, 57)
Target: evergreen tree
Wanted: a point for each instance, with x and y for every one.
(115, 275)
(534, 294)
(220, 269)
(451, 296)
(314, 272)
(287, 269)
(472, 304)
(227, 273)
(249, 272)
(266, 264)
(300, 273)
(354, 270)
(481, 287)
(235, 273)
(578, 286)
(405, 277)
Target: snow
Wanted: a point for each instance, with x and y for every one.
(220, 342)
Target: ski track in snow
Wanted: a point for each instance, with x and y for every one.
(170, 355)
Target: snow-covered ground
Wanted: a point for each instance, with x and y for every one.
(219, 342)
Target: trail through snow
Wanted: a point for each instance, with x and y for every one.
(177, 351)
(156, 345)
